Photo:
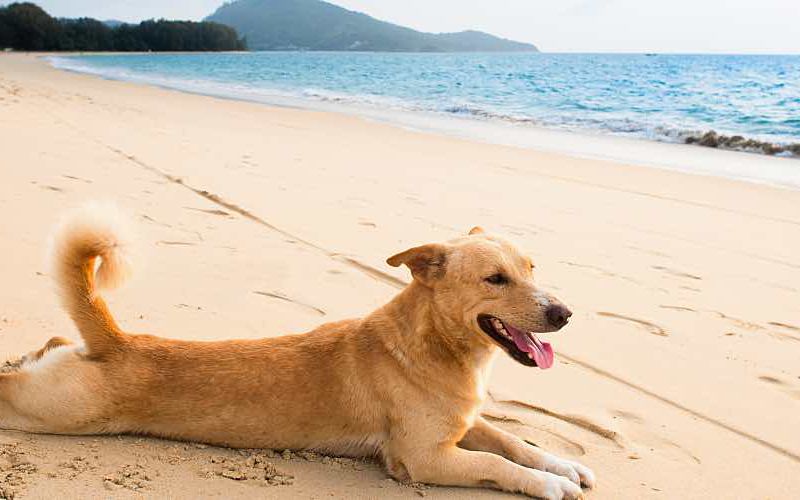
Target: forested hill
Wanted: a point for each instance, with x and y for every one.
(318, 25)
(26, 26)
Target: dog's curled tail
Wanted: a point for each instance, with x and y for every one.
(95, 232)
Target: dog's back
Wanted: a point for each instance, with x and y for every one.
(297, 391)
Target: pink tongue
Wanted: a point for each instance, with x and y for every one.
(541, 351)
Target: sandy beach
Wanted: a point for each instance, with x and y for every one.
(677, 378)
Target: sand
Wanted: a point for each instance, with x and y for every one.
(677, 378)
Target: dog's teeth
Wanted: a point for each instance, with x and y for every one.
(498, 325)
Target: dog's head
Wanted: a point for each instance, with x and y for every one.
(483, 284)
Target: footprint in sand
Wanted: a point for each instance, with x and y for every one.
(576, 420)
(599, 270)
(73, 178)
(413, 199)
(677, 308)
(220, 213)
(648, 251)
(153, 221)
(627, 415)
(677, 273)
(747, 325)
(781, 335)
(642, 436)
(530, 434)
(280, 296)
(781, 385)
(741, 323)
(514, 230)
(187, 306)
(246, 161)
(175, 243)
(785, 325)
(650, 327)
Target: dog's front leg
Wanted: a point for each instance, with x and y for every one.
(454, 466)
(483, 436)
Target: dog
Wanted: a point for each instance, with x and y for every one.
(404, 384)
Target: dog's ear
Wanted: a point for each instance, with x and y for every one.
(427, 262)
(476, 230)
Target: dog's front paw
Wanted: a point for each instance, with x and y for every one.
(561, 488)
(586, 474)
(575, 472)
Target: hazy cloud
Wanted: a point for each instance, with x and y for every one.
(589, 7)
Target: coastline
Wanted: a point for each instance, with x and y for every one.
(739, 165)
(684, 287)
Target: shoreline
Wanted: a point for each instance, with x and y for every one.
(693, 159)
(262, 221)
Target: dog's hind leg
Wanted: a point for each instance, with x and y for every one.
(58, 393)
(11, 387)
(61, 388)
(49, 346)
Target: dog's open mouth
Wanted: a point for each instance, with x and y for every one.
(523, 346)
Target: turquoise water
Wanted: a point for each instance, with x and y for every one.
(664, 97)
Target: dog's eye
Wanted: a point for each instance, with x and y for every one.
(497, 279)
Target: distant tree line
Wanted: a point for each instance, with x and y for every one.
(26, 26)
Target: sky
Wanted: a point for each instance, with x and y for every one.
(683, 26)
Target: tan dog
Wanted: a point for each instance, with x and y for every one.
(404, 384)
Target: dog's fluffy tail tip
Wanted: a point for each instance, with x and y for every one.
(95, 230)
(91, 250)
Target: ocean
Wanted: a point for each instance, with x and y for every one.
(750, 103)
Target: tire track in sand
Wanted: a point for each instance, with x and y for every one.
(370, 271)
(744, 434)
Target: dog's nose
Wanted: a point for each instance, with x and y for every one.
(558, 315)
